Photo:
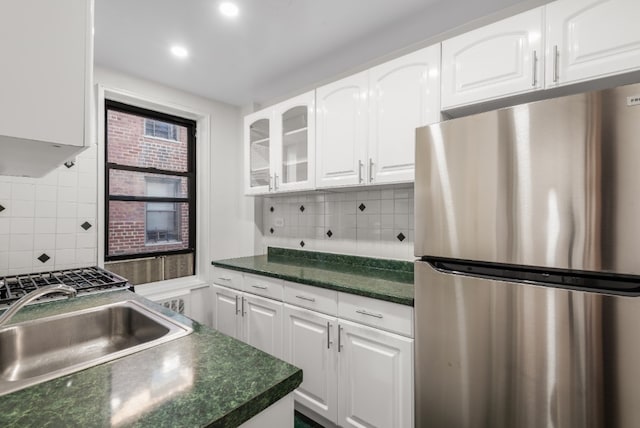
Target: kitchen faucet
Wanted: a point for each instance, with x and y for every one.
(42, 291)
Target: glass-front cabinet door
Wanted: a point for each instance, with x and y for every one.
(294, 131)
(280, 147)
(258, 153)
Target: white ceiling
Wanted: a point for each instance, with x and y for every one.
(274, 48)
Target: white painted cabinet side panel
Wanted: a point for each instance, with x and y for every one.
(404, 95)
(594, 38)
(494, 61)
(200, 305)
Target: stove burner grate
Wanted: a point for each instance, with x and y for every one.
(84, 280)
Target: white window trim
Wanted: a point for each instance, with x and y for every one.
(203, 191)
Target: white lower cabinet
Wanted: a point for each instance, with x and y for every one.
(375, 378)
(310, 345)
(262, 324)
(227, 316)
(252, 319)
(356, 353)
(354, 375)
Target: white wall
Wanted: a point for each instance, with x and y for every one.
(44, 215)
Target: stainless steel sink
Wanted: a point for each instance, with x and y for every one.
(36, 351)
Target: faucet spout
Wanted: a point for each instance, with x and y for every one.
(42, 291)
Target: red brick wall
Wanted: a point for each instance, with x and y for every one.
(127, 145)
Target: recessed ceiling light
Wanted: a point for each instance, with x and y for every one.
(229, 9)
(179, 51)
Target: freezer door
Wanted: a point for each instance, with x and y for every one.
(492, 354)
(551, 184)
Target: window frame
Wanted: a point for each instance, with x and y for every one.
(190, 174)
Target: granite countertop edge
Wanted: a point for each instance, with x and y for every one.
(20, 407)
(256, 405)
(328, 284)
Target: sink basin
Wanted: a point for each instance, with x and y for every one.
(36, 351)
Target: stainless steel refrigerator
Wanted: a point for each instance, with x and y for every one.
(528, 236)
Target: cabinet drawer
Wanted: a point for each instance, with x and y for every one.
(376, 313)
(228, 278)
(264, 286)
(310, 297)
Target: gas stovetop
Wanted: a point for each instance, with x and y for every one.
(84, 280)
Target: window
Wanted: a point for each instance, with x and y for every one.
(162, 220)
(157, 129)
(149, 188)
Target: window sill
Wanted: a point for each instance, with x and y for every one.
(170, 288)
(151, 137)
(159, 244)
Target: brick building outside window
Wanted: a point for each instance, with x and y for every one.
(150, 190)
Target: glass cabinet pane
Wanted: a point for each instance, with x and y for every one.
(294, 145)
(259, 153)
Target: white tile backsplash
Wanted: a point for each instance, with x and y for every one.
(43, 216)
(372, 231)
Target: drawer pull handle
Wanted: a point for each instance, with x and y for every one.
(363, 312)
(237, 308)
(260, 287)
(308, 299)
(224, 279)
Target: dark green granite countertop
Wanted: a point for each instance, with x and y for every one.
(203, 379)
(389, 280)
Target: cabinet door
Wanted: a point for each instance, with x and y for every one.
(501, 59)
(587, 39)
(309, 344)
(263, 324)
(46, 70)
(294, 130)
(376, 378)
(342, 132)
(405, 94)
(258, 152)
(226, 311)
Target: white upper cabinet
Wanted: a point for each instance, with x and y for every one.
(45, 87)
(279, 147)
(295, 143)
(404, 95)
(502, 59)
(366, 122)
(258, 153)
(587, 39)
(342, 131)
